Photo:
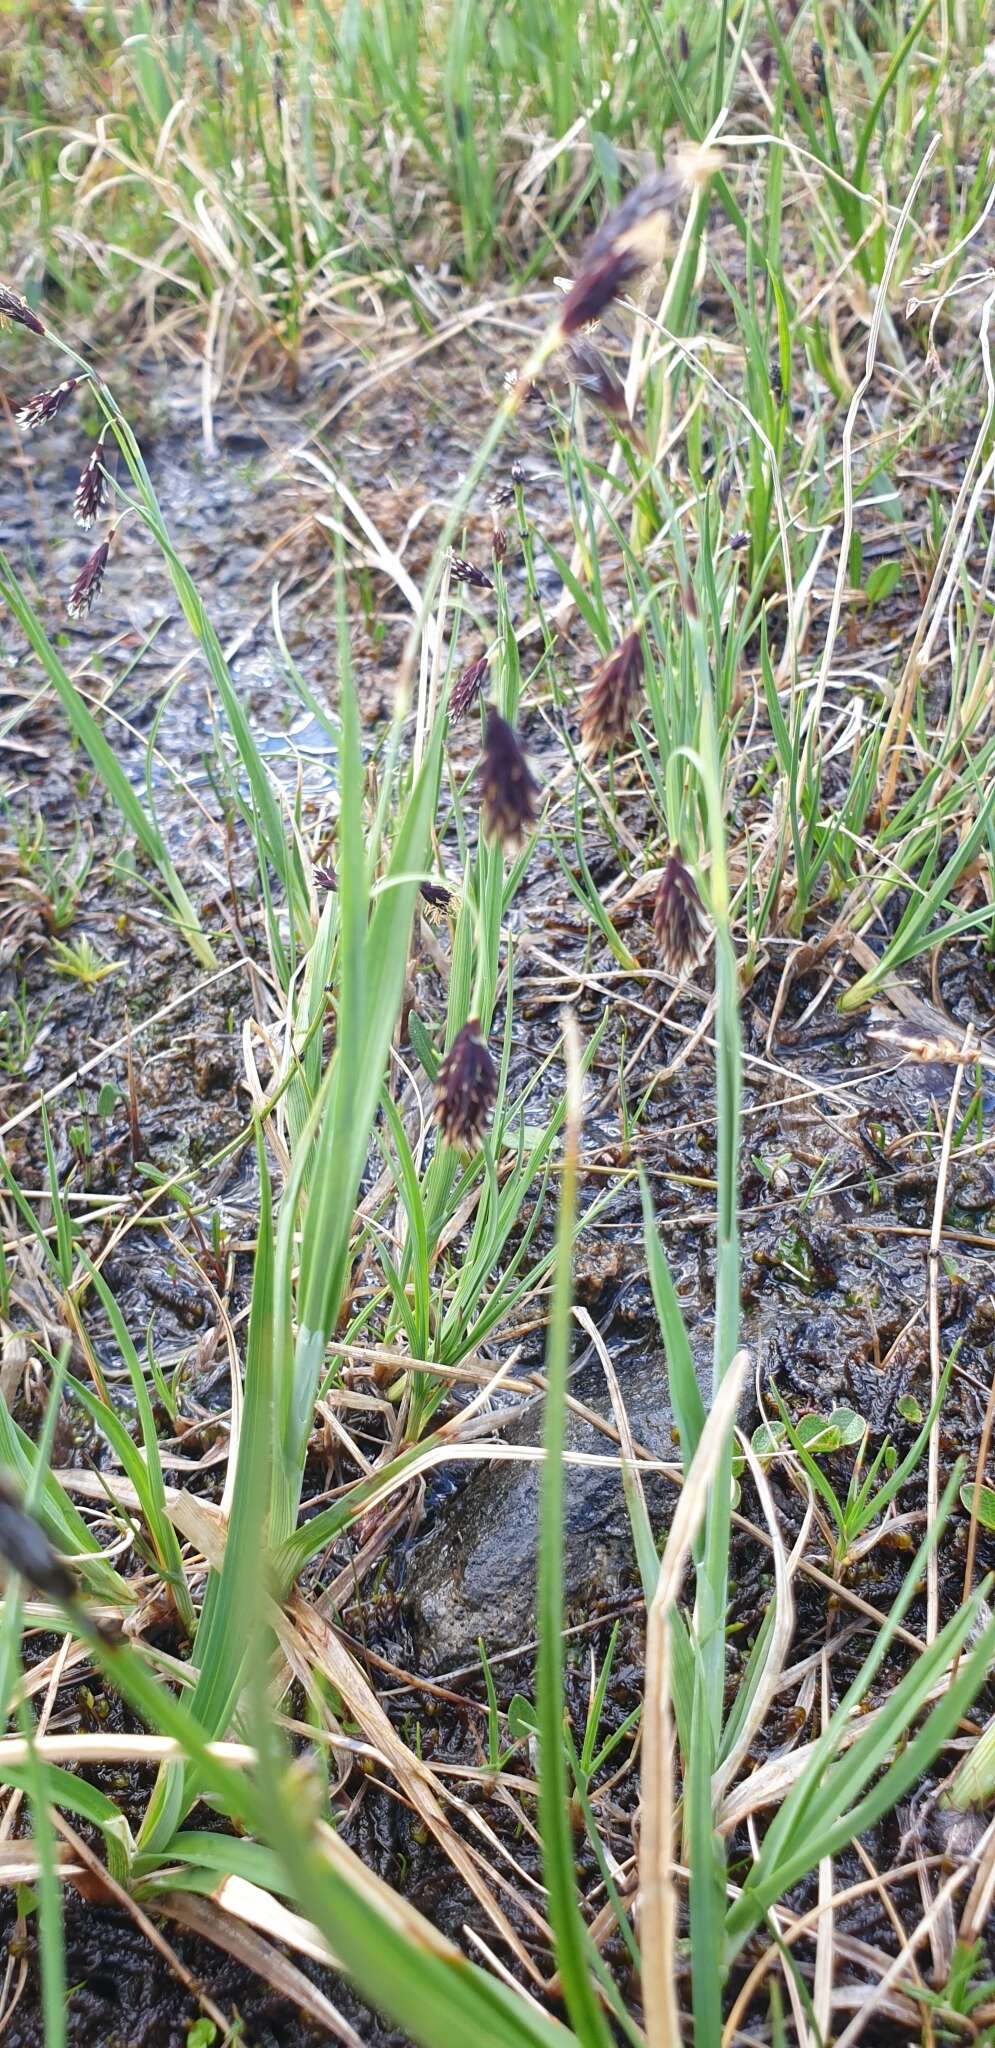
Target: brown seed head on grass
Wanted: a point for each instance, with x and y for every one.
(25, 1548)
(86, 589)
(503, 493)
(612, 698)
(679, 923)
(45, 405)
(91, 491)
(465, 1088)
(467, 689)
(523, 390)
(631, 238)
(588, 368)
(437, 894)
(463, 571)
(508, 790)
(13, 308)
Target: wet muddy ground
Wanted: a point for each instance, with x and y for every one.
(841, 1128)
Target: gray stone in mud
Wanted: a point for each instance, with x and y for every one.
(473, 1573)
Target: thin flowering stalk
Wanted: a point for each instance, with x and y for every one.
(612, 699)
(508, 790)
(91, 491)
(466, 1088)
(44, 406)
(13, 308)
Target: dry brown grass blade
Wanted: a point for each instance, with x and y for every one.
(935, 1241)
(784, 1622)
(658, 1911)
(955, 544)
(618, 1405)
(978, 1905)
(822, 1987)
(251, 1944)
(83, 1749)
(847, 1950)
(104, 1884)
(842, 571)
(303, 1630)
(21, 1864)
(771, 1783)
(901, 1962)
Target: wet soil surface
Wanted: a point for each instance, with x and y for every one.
(841, 1128)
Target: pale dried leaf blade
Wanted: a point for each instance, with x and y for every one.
(658, 1907)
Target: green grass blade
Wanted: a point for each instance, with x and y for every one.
(685, 1393)
(569, 1932)
(104, 759)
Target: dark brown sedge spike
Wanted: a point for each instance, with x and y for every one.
(507, 790)
(623, 245)
(679, 924)
(91, 491)
(87, 587)
(465, 1088)
(463, 571)
(612, 699)
(45, 405)
(632, 237)
(438, 894)
(588, 368)
(25, 1548)
(503, 493)
(13, 308)
(467, 689)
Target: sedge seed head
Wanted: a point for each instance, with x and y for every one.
(612, 698)
(44, 406)
(13, 309)
(632, 237)
(463, 571)
(466, 691)
(91, 491)
(508, 790)
(679, 924)
(87, 587)
(587, 367)
(465, 1088)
